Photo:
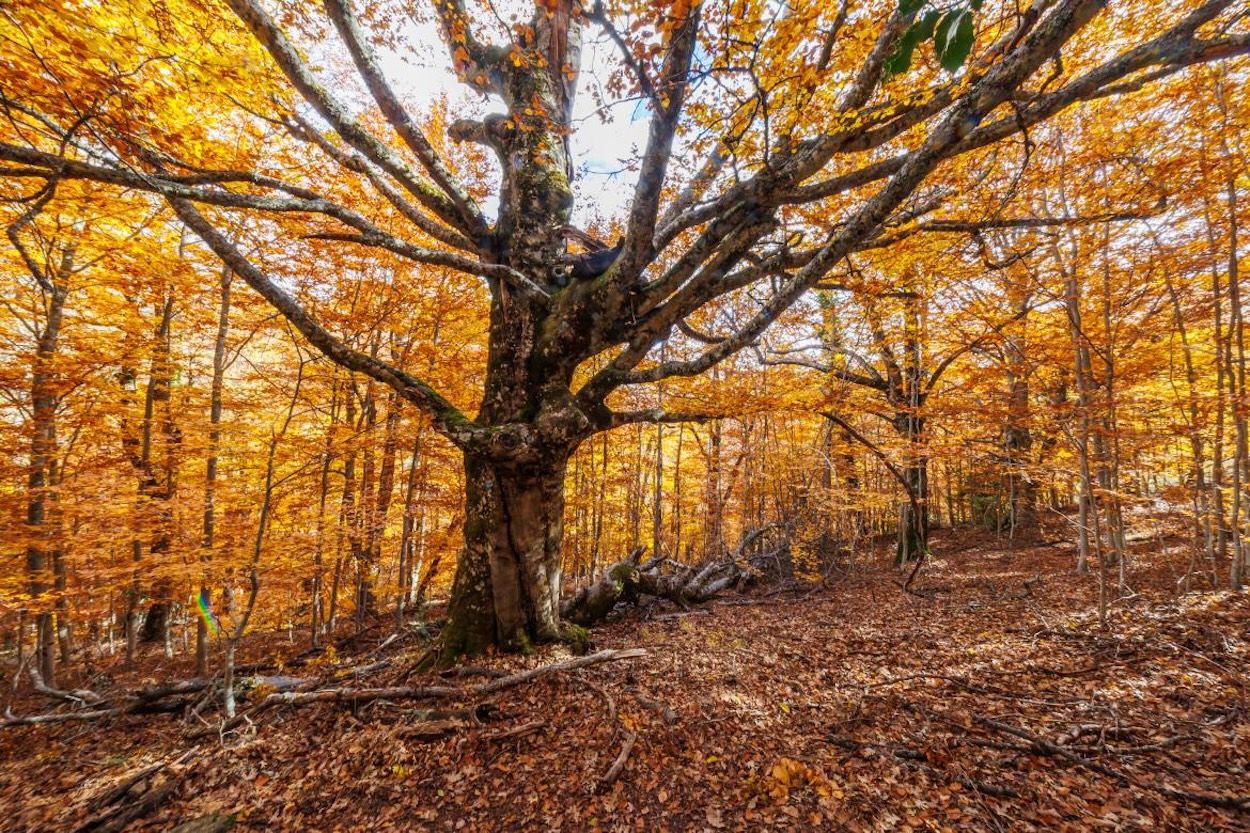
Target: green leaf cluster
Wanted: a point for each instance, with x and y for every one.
(950, 29)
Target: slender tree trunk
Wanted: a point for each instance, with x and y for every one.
(362, 548)
(41, 514)
(677, 495)
(913, 530)
(596, 543)
(657, 498)
(1086, 506)
(408, 533)
(348, 520)
(1203, 526)
(1237, 393)
(1018, 440)
(1109, 457)
(262, 529)
(637, 490)
(385, 491)
(317, 609)
(156, 475)
(210, 468)
(714, 533)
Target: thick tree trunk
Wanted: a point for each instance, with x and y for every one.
(507, 587)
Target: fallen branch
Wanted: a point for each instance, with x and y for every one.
(665, 712)
(996, 790)
(356, 696)
(473, 671)
(607, 699)
(762, 552)
(516, 731)
(76, 695)
(606, 655)
(618, 765)
(149, 699)
(119, 790)
(917, 758)
(1045, 747)
(133, 797)
(11, 720)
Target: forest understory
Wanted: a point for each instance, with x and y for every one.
(987, 698)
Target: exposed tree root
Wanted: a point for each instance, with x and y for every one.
(77, 695)
(917, 758)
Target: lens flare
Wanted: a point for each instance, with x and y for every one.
(206, 612)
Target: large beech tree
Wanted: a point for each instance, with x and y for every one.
(818, 140)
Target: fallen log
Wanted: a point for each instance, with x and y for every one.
(762, 552)
(136, 795)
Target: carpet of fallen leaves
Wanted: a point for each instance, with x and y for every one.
(855, 707)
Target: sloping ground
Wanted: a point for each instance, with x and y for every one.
(992, 702)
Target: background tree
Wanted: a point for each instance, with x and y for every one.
(814, 148)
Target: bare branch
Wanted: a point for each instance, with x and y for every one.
(174, 187)
(639, 243)
(338, 115)
(475, 63)
(28, 216)
(1175, 47)
(367, 63)
(656, 416)
(599, 15)
(870, 73)
(831, 37)
(434, 257)
(306, 132)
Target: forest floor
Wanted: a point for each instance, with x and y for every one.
(991, 702)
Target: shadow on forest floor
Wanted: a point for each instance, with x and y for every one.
(992, 702)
